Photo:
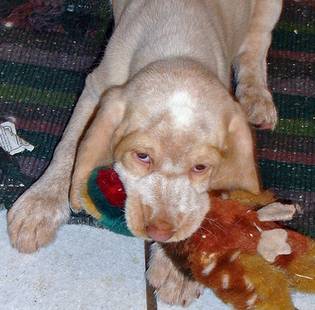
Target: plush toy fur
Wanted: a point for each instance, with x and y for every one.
(227, 255)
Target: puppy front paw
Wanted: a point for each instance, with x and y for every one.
(171, 286)
(258, 105)
(35, 218)
(179, 291)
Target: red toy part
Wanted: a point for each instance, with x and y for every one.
(111, 187)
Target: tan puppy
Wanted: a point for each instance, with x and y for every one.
(159, 107)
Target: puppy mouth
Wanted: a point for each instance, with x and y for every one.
(162, 229)
(167, 221)
(158, 234)
(153, 232)
(141, 224)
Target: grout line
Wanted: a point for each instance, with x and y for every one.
(150, 296)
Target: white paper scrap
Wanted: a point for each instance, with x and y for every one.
(10, 141)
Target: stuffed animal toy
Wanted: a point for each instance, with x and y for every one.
(104, 198)
(240, 252)
(248, 261)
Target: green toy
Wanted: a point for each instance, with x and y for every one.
(104, 199)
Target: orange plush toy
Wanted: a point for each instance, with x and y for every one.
(246, 258)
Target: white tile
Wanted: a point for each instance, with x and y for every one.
(86, 269)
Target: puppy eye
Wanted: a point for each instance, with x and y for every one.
(200, 168)
(145, 158)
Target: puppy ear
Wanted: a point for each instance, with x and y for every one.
(95, 147)
(238, 168)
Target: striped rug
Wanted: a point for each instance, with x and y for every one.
(287, 155)
(46, 50)
(48, 47)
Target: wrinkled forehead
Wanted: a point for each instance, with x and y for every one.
(181, 108)
(178, 118)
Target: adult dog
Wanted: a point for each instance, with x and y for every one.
(159, 107)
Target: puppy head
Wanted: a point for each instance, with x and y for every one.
(166, 183)
(179, 135)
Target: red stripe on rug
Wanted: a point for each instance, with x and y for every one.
(40, 126)
(298, 56)
(310, 3)
(301, 87)
(296, 157)
(31, 166)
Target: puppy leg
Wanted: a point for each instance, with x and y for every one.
(171, 286)
(35, 217)
(252, 91)
(118, 7)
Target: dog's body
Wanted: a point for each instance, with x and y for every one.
(160, 108)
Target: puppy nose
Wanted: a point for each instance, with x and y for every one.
(160, 232)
